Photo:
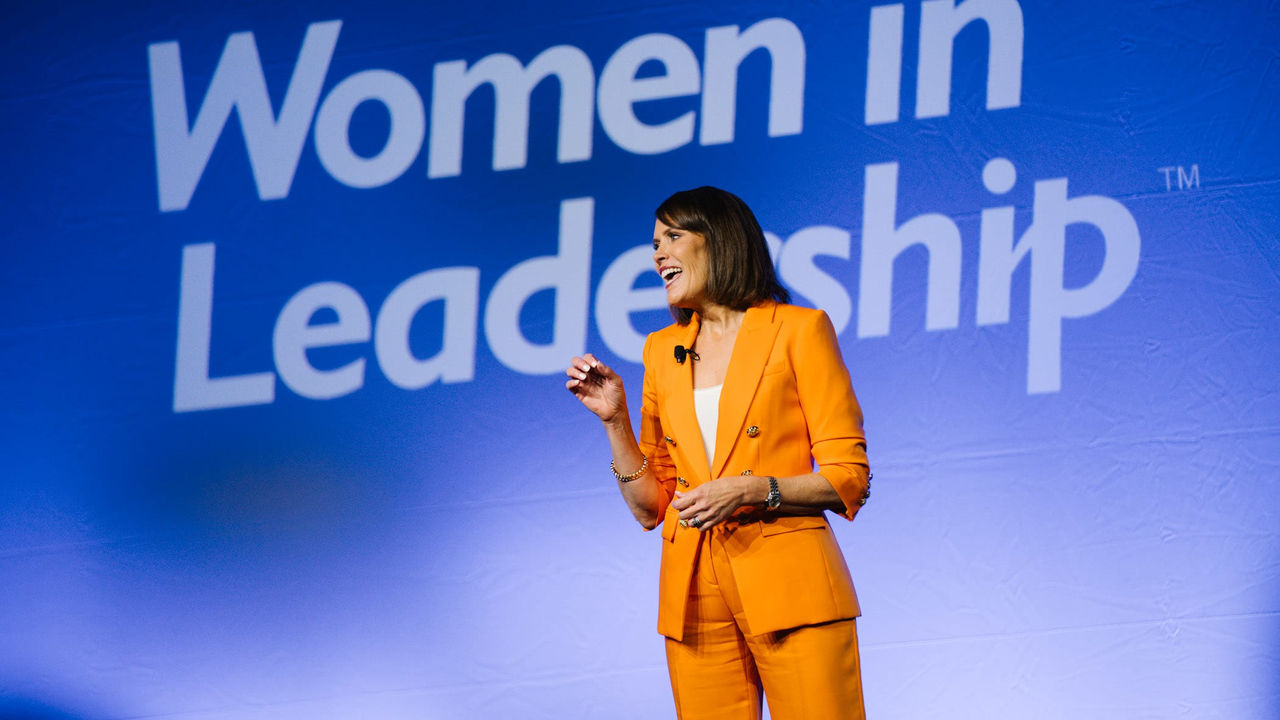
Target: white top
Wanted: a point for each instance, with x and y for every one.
(706, 406)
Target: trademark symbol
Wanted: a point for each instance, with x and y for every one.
(1187, 179)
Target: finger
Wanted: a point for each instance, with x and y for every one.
(707, 521)
(689, 507)
(599, 367)
(686, 499)
(693, 510)
(711, 521)
(578, 368)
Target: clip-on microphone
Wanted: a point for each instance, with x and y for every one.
(682, 352)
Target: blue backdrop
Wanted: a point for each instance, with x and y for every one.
(288, 290)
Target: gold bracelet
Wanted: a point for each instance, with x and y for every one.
(644, 463)
(866, 494)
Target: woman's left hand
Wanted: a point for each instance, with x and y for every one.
(708, 504)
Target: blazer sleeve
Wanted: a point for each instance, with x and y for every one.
(652, 439)
(831, 410)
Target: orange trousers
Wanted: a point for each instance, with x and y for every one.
(718, 672)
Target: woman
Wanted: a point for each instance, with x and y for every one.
(741, 396)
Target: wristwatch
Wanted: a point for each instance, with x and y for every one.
(774, 499)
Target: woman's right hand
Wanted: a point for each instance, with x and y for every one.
(597, 386)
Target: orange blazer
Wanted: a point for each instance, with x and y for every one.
(786, 403)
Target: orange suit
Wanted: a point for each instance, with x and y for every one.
(786, 402)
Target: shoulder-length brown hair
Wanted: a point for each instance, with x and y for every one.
(740, 273)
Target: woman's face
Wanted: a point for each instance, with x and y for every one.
(680, 257)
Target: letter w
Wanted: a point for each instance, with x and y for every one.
(274, 144)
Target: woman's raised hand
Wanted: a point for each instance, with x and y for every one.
(597, 386)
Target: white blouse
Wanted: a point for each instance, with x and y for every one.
(706, 406)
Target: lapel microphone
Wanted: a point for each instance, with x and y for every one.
(682, 352)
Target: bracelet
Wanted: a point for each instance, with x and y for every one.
(644, 463)
(866, 493)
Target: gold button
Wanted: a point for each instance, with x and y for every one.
(670, 442)
(746, 472)
(753, 431)
(682, 481)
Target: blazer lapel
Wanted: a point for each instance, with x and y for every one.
(746, 365)
(684, 420)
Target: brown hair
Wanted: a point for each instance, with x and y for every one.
(740, 272)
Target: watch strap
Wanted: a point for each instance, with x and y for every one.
(774, 499)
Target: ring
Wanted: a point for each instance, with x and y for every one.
(684, 523)
(695, 522)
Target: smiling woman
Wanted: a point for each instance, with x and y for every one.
(752, 584)
(674, 250)
(742, 274)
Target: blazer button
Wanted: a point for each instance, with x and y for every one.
(670, 442)
(753, 431)
(682, 481)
